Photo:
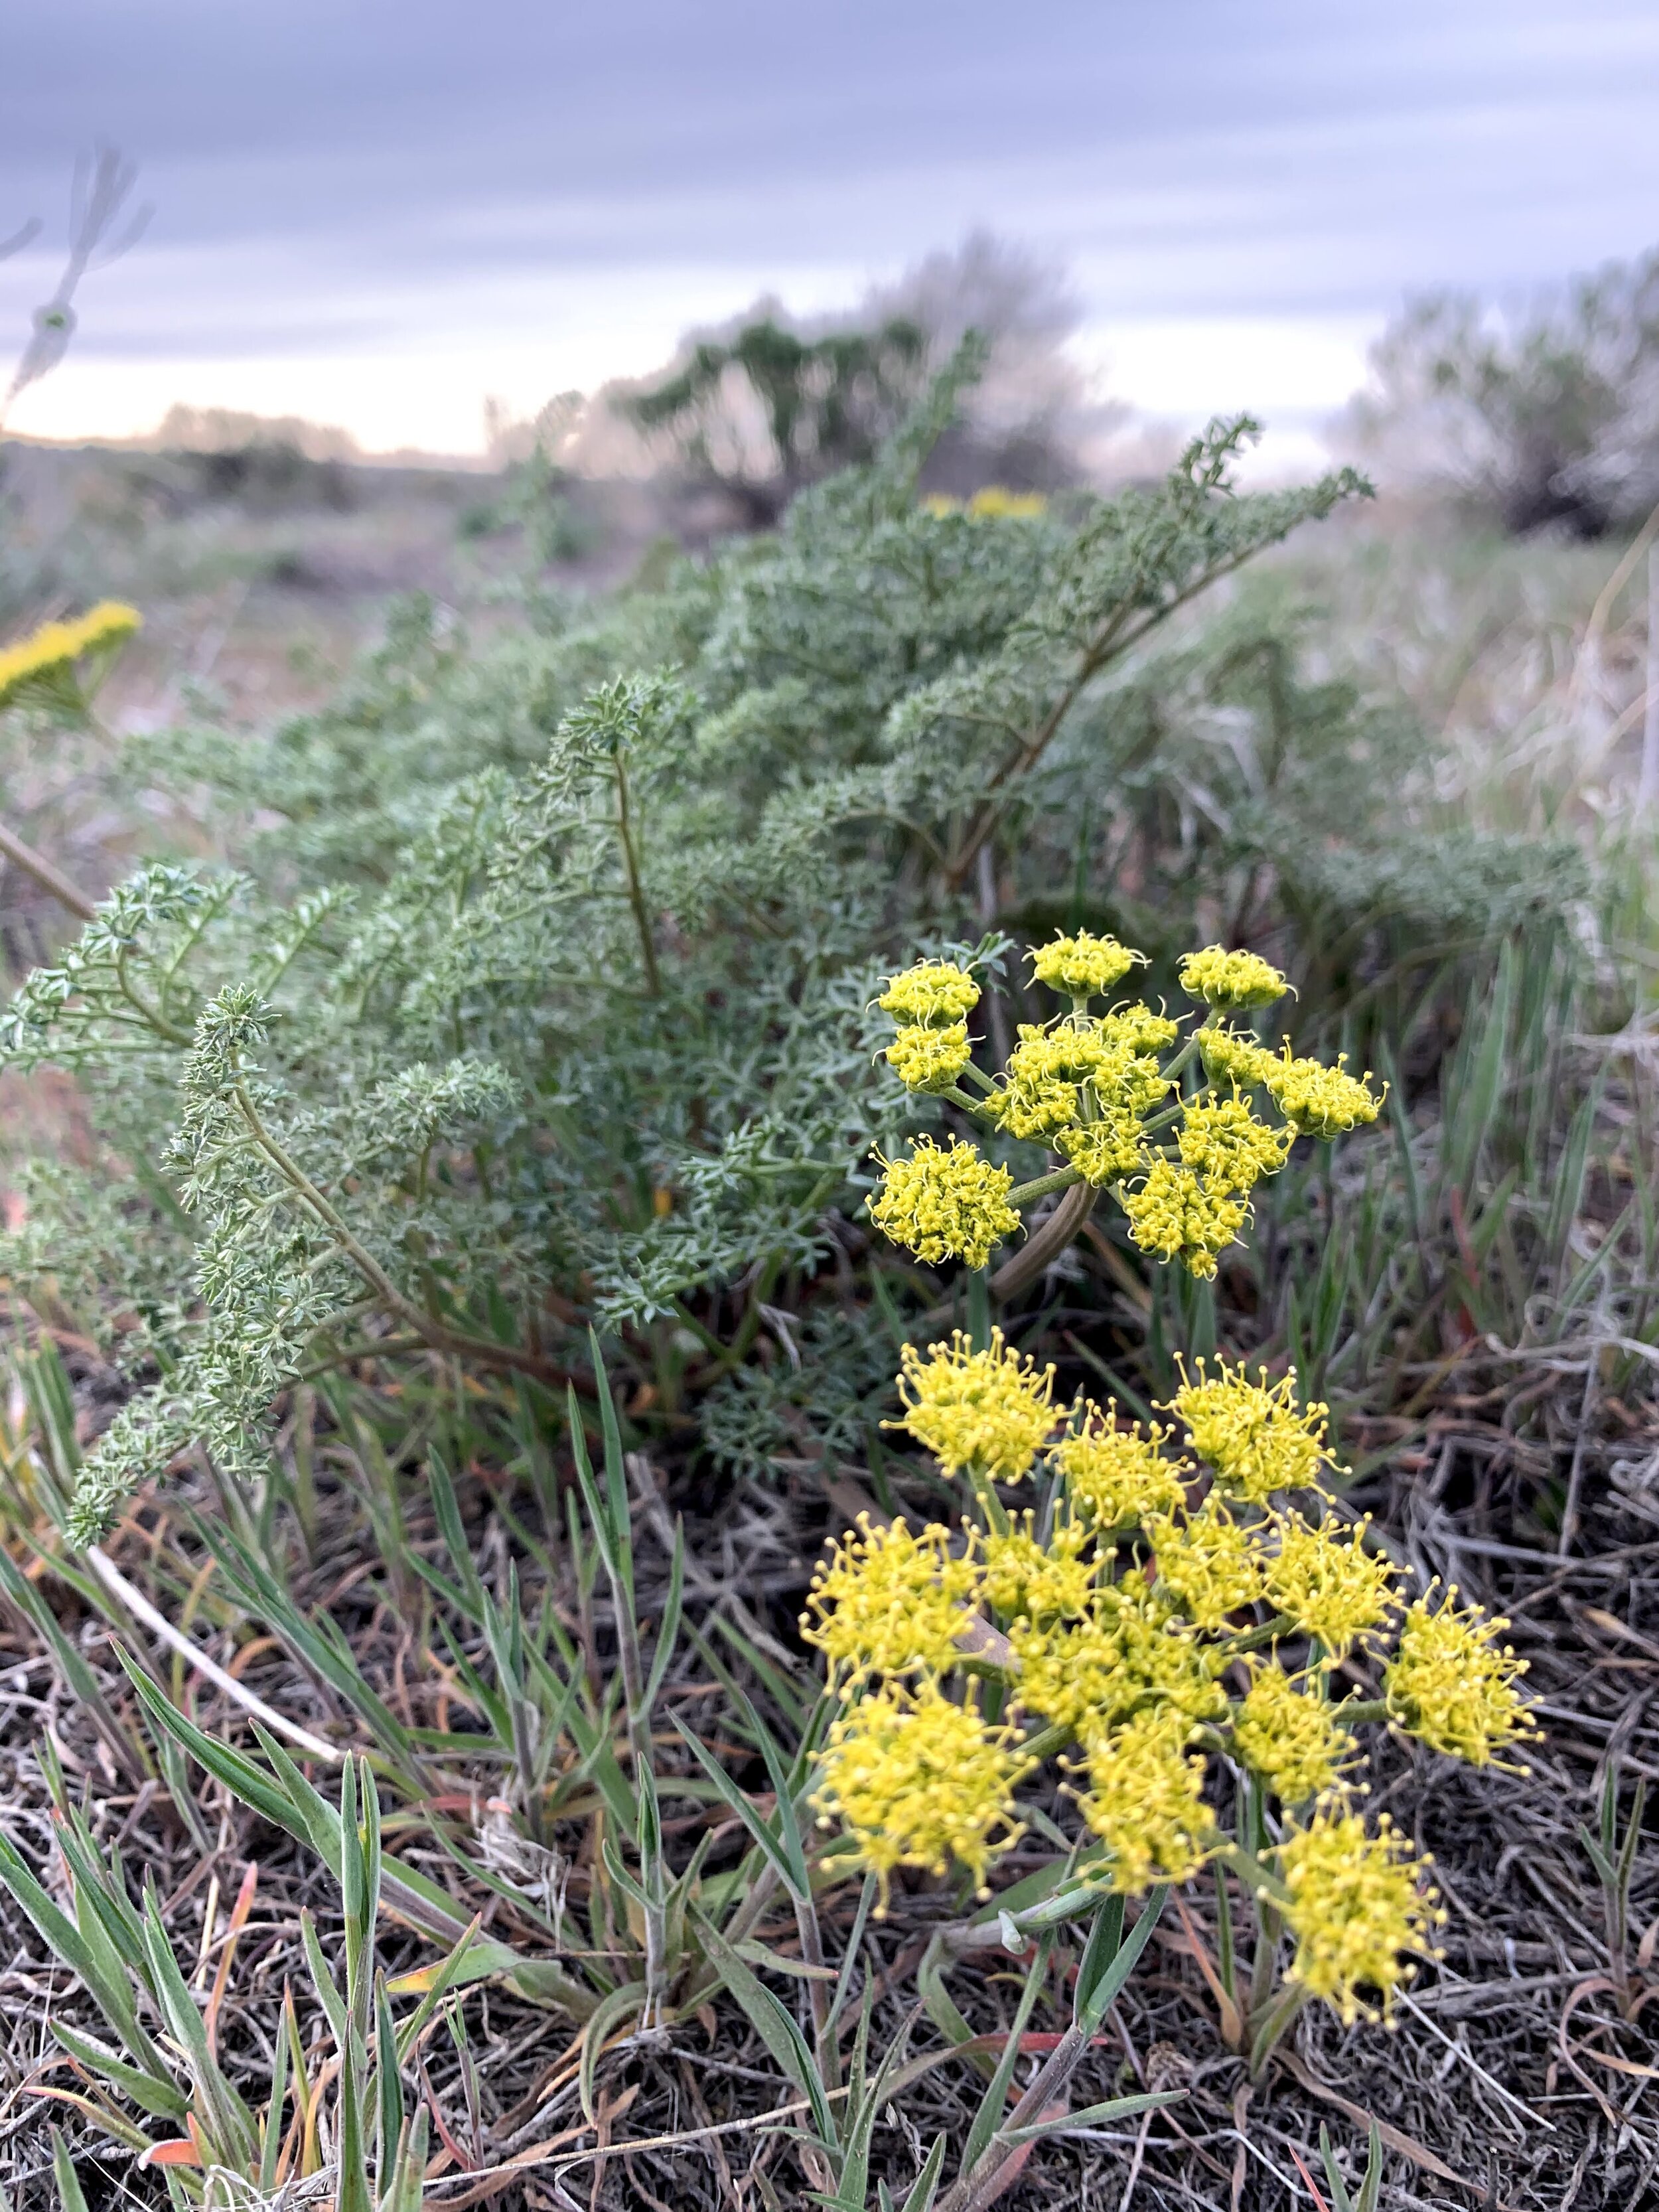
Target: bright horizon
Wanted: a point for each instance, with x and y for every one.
(364, 218)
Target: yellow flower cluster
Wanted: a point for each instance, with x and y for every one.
(1231, 979)
(1104, 1151)
(929, 1058)
(988, 1412)
(1290, 1737)
(995, 503)
(1139, 1029)
(1146, 1802)
(1224, 1145)
(1166, 1559)
(1324, 1580)
(918, 1780)
(1115, 1477)
(50, 652)
(1083, 967)
(1175, 1215)
(889, 1603)
(1043, 1086)
(1317, 1100)
(1452, 1685)
(945, 1204)
(1357, 1902)
(1208, 1560)
(1038, 1094)
(1123, 1609)
(1022, 1578)
(1092, 1088)
(1254, 1434)
(1131, 1651)
(934, 992)
(1230, 1057)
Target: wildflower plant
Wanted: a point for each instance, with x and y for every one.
(1156, 1642)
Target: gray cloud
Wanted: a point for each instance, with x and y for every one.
(347, 175)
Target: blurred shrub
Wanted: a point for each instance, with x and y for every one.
(766, 410)
(763, 406)
(1545, 414)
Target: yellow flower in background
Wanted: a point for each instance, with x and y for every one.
(887, 1602)
(1321, 1101)
(1230, 1057)
(934, 992)
(944, 1204)
(1207, 1561)
(1326, 1581)
(1253, 1435)
(1231, 979)
(1145, 1800)
(1023, 1579)
(1174, 1215)
(43, 661)
(988, 1411)
(1084, 966)
(1451, 1684)
(1358, 1904)
(1114, 1476)
(919, 1781)
(997, 503)
(1289, 1738)
(1129, 1652)
(929, 1058)
(1224, 1143)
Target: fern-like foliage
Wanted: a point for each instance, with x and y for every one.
(537, 987)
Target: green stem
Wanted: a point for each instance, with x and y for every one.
(1177, 1067)
(1251, 1639)
(988, 1503)
(1024, 1194)
(1278, 2017)
(482, 1350)
(957, 1096)
(1046, 1741)
(631, 867)
(1227, 1963)
(372, 1347)
(152, 1015)
(1353, 1712)
(52, 880)
(701, 1330)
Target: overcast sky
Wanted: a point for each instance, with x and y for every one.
(374, 211)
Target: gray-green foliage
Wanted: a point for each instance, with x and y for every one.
(542, 980)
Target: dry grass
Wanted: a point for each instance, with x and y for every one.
(1510, 2068)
